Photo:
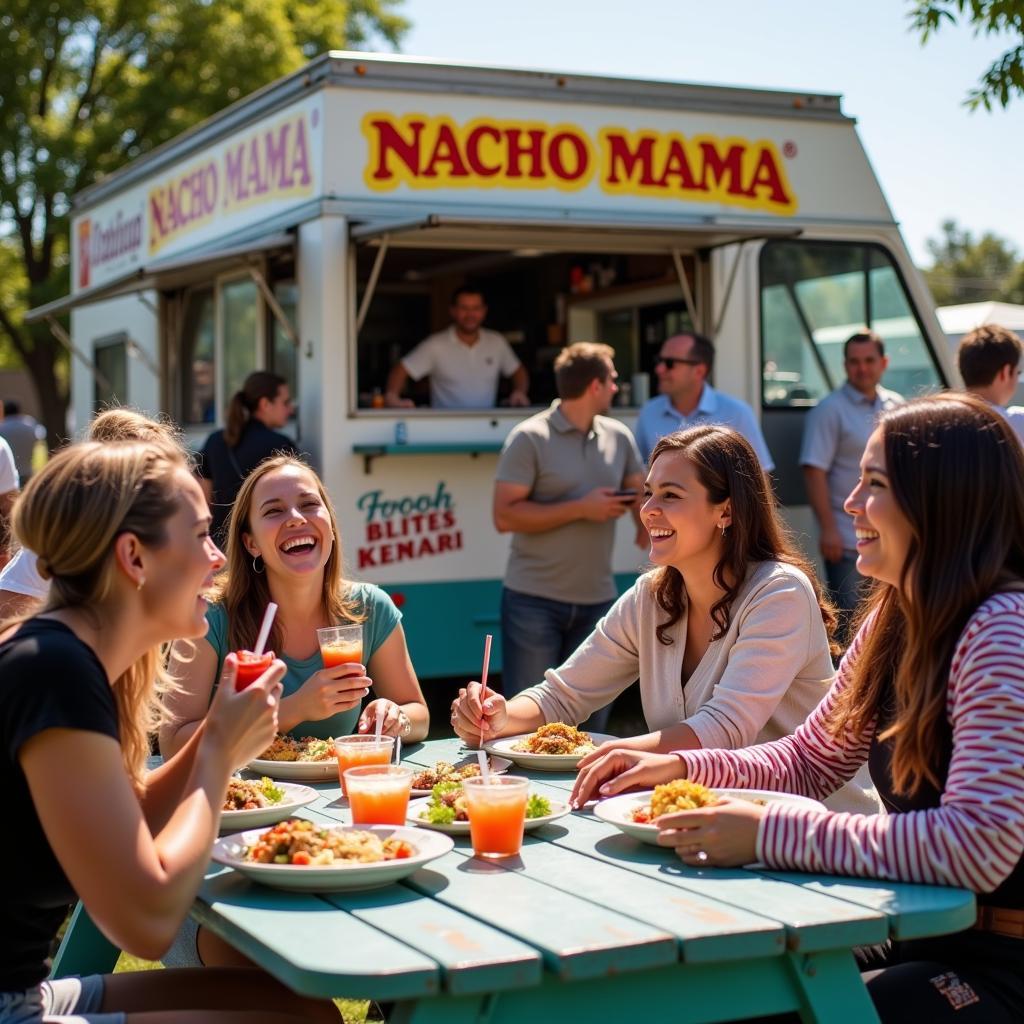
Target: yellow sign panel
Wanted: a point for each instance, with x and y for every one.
(422, 152)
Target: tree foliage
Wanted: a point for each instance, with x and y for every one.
(969, 269)
(89, 85)
(1004, 78)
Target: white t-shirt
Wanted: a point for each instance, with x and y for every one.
(9, 480)
(19, 576)
(462, 376)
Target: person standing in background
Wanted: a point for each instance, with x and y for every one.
(989, 362)
(9, 484)
(255, 415)
(688, 400)
(464, 362)
(835, 434)
(564, 476)
(21, 432)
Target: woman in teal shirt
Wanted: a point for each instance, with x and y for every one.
(283, 546)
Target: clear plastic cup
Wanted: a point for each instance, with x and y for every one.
(341, 645)
(363, 749)
(378, 794)
(497, 813)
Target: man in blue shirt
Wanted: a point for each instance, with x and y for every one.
(835, 434)
(686, 399)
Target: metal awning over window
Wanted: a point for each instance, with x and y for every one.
(166, 274)
(565, 235)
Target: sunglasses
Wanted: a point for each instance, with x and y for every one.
(669, 361)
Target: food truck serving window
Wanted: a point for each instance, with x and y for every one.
(815, 295)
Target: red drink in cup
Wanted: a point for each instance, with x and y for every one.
(251, 667)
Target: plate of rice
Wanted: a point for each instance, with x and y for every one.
(634, 813)
(555, 747)
(251, 803)
(306, 758)
(302, 855)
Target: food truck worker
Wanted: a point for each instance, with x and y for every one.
(563, 478)
(464, 362)
(687, 399)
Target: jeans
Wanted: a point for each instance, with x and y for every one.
(847, 586)
(537, 634)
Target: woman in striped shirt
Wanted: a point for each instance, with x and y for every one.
(930, 696)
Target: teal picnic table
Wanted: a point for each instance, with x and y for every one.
(585, 923)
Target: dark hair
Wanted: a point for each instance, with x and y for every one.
(580, 363)
(956, 471)
(860, 337)
(11, 407)
(261, 384)
(728, 468)
(703, 350)
(984, 352)
(467, 289)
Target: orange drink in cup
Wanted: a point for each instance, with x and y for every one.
(378, 793)
(341, 645)
(497, 813)
(365, 749)
(251, 667)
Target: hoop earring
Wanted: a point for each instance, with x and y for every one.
(258, 569)
(723, 528)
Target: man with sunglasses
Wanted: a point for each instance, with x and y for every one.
(686, 399)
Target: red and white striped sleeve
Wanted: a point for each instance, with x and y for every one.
(975, 838)
(810, 762)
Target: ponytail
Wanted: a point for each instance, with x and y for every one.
(261, 384)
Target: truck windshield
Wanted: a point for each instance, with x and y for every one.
(814, 295)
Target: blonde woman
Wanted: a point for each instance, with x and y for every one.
(121, 532)
(22, 589)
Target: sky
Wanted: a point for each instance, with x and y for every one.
(935, 159)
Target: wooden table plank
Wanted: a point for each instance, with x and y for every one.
(312, 946)
(473, 956)
(576, 938)
(813, 921)
(708, 930)
(914, 911)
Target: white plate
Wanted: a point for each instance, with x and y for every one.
(541, 762)
(617, 809)
(294, 798)
(308, 771)
(335, 877)
(498, 765)
(559, 809)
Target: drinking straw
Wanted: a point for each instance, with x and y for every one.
(485, 772)
(483, 680)
(268, 621)
(380, 721)
(398, 750)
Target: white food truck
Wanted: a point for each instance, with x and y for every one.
(318, 228)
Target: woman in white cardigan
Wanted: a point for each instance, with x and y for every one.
(729, 635)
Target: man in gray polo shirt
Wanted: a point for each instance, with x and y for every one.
(564, 477)
(836, 432)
